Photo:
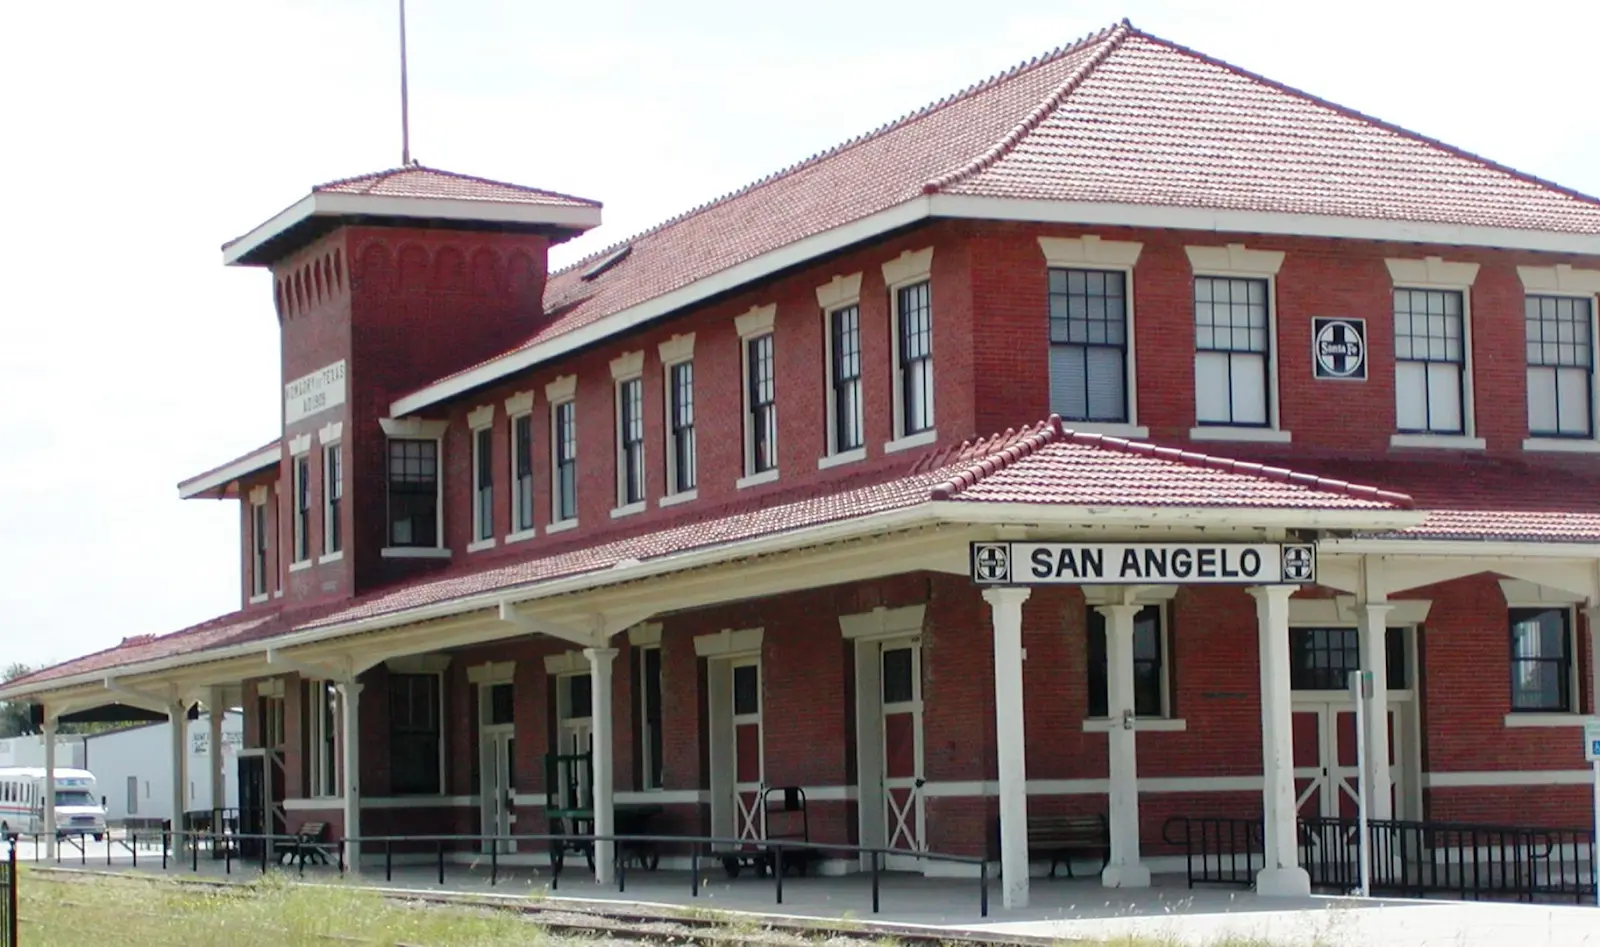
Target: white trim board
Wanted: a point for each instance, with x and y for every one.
(986, 208)
(261, 460)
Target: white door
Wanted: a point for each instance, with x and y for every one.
(575, 737)
(1326, 775)
(499, 785)
(901, 740)
(749, 764)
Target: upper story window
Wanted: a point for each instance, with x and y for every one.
(260, 543)
(413, 492)
(1430, 361)
(1089, 346)
(302, 508)
(1560, 333)
(1542, 663)
(522, 473)
(760, 395)
(630, 442)
(563, 451)
(908, 280)
(844, 345)
(677, 361)
(1151, 697)
(1232, 361)
(483, 484)
(333, 499)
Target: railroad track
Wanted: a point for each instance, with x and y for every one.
(633, 923)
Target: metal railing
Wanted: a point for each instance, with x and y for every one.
(1468, 861)
(1219, 851)
(776, 855)
(8, 897)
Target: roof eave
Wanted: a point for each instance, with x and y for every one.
(214, 485)
(262, 245)
(1076, 516)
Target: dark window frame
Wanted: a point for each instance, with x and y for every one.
(1232, 349)
(1565, 663)
(414, 742)
(261, 545)
(1071, 333)
(413, 491)
(564, 461)
(680, 427)
(302, 508)
(1099, 672)
(914, 357)
(1434, 349)
(651, 734)
(333, 499)
(483, 483)
(761, 395)
(846, 422)
(522, 512)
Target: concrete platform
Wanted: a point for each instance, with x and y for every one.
(1167, 913)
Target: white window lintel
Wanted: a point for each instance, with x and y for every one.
(519, 403)
(299, 445)
(492, 672)
(1432, 272)
(1561, 278)
(564, 388)
(679, 348)
(883, 622)
(839, 291)
(628, 365)
(413, 427)
(258, 495)
(1089, 250)
(330, 433)
(645, 634)
(909, 267)
(567, 662)
(480, 417)
(728, 643)
(758, 321)
(1234, 259)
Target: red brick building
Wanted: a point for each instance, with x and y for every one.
(707, 499)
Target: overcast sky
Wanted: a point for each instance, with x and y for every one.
(136, 137)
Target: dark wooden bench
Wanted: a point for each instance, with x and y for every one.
(1062, 836)
(307, 845)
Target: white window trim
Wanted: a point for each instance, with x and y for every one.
(1236, 261)
(416, 429)
(674, 352)
(330, 439)
(625, 368)
(1439, 274)
(910, 268)
(317, 692)
(1564, 281)
(759, 321)
(1090, 252)
(563, 390)
(300, 532)
(1165, 721)
(841, 292)
(523, 405)
(258, 500)
(479, 420)
(1575, 683)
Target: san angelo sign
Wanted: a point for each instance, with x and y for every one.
(1041, 563)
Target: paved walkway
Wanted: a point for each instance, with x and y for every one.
(1168, 913)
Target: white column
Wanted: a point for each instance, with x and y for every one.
(1282, 875)
(216, 711)
(1124, 870)
(49, 784)
(1592, 613)
(601, 728)
(1005, 610)
(1375, 658)
(178, 718)
(350, 750)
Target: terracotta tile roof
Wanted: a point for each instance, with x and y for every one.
(1120, 117)
(1485, 498)
(1053, 465)
(423, 182)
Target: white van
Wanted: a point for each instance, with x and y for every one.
(78, 809)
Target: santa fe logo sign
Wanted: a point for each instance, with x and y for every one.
(1339, 348)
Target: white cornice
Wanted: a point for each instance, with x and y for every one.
(221, 477)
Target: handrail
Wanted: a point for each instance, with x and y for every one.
(700, 847)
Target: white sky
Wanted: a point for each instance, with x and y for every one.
(136, 137)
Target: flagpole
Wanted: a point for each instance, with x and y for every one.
(405, 117)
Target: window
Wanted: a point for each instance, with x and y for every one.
(1089, 345)
(1232, 352)
(746, 689)
(502, 704)
(650, 732)
(1321, 659)
(483, 484)
(630, 442)
(1149, 667)
(578, 697)
(1541, 660)
(413, 492)
(522, 473)
(681, 465)
(1560, 366)
(322, 774)
(259, 547)
(844, 371)
(333, 497)
(564, 454)
(302, 508)
(1429, 361)
(761, 398)
(415, 748)
(899, 675)
(269, 711)
(914, 357)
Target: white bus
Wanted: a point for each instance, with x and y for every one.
(78, 809)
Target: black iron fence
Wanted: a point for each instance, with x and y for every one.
(773, 858)
(8, 897)
(1417, 859)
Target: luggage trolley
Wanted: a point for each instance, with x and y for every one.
(785, 819)
(569, 805)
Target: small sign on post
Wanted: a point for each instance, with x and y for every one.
(1361, 690)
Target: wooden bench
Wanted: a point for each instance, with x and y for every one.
(307, 845)
(1062, 836)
